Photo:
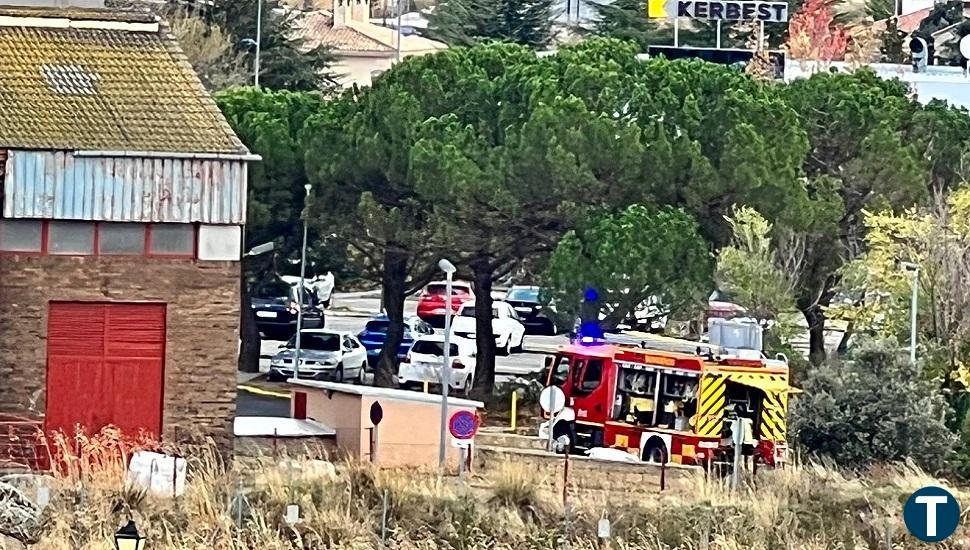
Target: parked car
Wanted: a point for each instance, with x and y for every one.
(275, 306)
(431, 303)
(375, 333)
(525, 301)
(324, 355)
(509, 330)
(424, 359)
(720, 306)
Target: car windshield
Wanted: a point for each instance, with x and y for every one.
(377, 326)
(316, 342)
(524, 294)
(470, 312)
(430, 347)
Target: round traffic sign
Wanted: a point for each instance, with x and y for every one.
(552, 399)
(965, 46)
(463, 425)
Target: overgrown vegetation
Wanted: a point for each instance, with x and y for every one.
(509, 506)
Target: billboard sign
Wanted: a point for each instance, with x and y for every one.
(719, 10)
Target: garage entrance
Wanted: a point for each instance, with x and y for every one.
(105, 365)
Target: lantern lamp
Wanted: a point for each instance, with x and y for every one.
(128, 538)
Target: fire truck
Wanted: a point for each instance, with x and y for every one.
(667, 400)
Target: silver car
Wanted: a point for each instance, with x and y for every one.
(324, 355)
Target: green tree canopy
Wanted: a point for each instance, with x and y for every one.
(629, 257)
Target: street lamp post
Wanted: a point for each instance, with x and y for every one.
(299, 292)
(259, 39)
(449, 270)
(909, 266)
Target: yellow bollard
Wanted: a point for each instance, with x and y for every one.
(514, 415)
(425, 386)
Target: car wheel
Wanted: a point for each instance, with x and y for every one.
(341, 373)
(466, 388)
(655, 451)
(273, 377)
(360, 374)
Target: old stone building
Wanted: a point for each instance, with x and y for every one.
(123, 193)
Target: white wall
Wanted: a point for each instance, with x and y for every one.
(220, 242)
(358, 70)
(938, 82)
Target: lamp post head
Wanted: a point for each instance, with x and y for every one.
(446, 266)
(308, 188)
(909, 266)
(128, 538)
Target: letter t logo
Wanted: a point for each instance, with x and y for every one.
(931, 503)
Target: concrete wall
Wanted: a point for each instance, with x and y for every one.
(407, 436)
(202, 329)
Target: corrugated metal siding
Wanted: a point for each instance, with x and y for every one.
(58, 185)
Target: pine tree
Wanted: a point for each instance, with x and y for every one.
(627, 20)
(469, 22)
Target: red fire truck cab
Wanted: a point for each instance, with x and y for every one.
(670, 406)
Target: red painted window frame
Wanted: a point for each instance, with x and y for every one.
(96, 252)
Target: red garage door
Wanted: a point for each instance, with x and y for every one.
(105, 365)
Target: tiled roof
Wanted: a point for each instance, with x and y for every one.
(98, 80)
(316, 28)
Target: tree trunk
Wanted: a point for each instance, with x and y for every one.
(248, 360)
(484, 335)
(816, 333)
(392, 296)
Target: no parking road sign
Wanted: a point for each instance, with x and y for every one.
(463, 425)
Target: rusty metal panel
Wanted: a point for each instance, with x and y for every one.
(60, 185)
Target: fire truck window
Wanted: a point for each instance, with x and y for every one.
(590, 377)
(561, 375)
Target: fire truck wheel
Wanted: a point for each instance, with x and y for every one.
(655, 451)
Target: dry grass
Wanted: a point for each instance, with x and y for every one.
(804, 507)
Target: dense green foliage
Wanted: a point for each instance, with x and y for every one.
(873, 407)
(658, 254)
(491, 155)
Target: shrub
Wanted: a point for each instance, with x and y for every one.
(873, 407)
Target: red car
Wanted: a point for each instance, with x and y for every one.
(431, 303)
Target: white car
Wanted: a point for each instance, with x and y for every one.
(423, 363)
(508, 328)
(324, 355)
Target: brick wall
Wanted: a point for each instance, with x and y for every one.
(202, 329)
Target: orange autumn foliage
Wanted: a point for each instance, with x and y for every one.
(813, 33)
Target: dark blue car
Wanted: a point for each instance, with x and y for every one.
(375, 333)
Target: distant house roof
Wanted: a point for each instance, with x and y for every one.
(317, 28)
(100, 80)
